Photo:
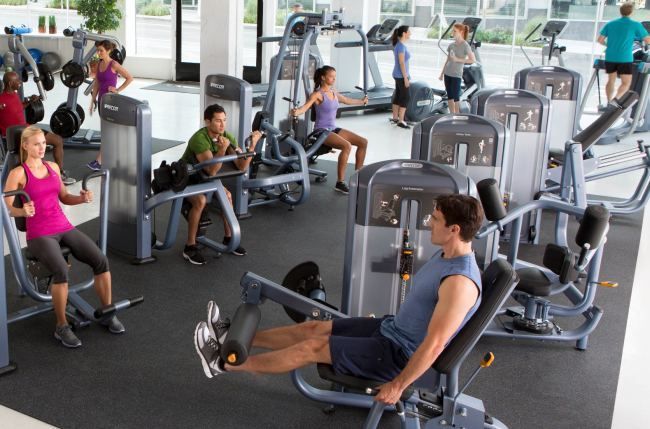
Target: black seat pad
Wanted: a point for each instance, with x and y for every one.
(326, 372)
(65, 250)
(533, 281)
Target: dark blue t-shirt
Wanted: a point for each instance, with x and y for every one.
(409, 326)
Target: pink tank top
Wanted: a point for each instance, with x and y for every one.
(48, 218)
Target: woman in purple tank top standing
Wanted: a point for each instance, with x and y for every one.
(325, 100)
(105, 82)
(48, 229)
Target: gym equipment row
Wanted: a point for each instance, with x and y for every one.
(32, 276)
(66, 121)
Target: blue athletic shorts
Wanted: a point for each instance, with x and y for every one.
(358, 348)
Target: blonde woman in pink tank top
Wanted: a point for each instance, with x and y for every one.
(48, 229)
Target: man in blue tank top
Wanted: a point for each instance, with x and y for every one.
(618, 36)
(398, 349)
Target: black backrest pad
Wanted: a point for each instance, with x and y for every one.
(12, 161)
(498, 280)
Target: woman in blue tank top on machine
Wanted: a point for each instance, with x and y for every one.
(325, 100)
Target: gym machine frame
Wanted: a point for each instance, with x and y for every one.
(66, 121)
(570, 180)
(537, 312)
(445, 406)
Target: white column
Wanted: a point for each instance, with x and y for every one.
(222, 45)
(268, 29)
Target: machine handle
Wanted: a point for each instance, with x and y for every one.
(68, 32)
(532, 32)
(92, 174)
(17, 192)
(445, 35)
(17, 30)
(108, 310)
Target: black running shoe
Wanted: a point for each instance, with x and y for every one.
(193, 255)
(342, 188)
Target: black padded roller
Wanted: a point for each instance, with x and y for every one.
(592, 226)
(488, 191)
(240, 335)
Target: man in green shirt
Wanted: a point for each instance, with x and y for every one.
(618, 36)
(211, 141)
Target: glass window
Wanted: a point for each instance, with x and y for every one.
(503, 8)
(398, 7)
(24, 12)
(460, 7)
(153, 26)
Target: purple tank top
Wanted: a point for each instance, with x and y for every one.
(48, 218)
(105, 79)
(326, 112)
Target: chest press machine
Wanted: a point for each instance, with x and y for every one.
(33, 277)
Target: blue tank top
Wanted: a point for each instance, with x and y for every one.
(326, 111)
(409, 326)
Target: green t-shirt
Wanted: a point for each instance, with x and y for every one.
(201, 141)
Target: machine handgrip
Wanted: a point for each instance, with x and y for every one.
(17, 192)
(92, 174)
(593, 226)
(68, 32)
(488, 191)
(240, 335)
(108, 310)
(532, 32)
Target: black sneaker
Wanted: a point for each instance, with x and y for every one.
(393, 121)
(193, 255)
(342, 188)
(403, 124)
(67, 337)
(239, 251)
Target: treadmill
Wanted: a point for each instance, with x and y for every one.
(379, 39)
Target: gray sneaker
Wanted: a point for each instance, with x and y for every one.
(208, 350)
(218, 328)
(67, 337)
(114, 325)
(67, 180)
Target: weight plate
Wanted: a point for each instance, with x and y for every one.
(303, 279)
(72, 74)
(46, 76)
(80, 112)
(64, 122)
(34, 112)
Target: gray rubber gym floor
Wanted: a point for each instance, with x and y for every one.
(151, 376)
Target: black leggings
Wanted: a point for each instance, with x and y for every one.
(47, 249)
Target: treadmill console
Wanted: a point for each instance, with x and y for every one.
(554, 28)
(381, 33)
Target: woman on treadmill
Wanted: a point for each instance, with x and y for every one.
(325, 100)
